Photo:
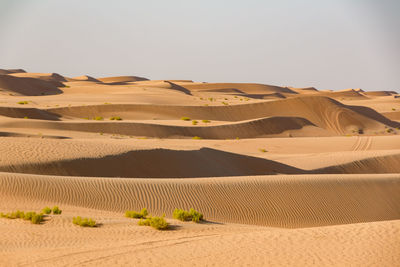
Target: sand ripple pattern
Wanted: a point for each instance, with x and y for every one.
(284, 201)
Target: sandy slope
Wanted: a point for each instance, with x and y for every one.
(324, 191)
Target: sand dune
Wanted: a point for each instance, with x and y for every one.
(247, 129)
(282, 201)
(250, 88)
(321, 111)
(28, 86)
(205, 162)
(380, 93)
(31, 113)
(84, 78)
(121, 79)
(8, 71)
(50, 77)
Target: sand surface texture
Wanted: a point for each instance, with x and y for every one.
(284, 176)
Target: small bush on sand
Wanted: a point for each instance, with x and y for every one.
(262, 150)
(197, 137)
(206, 121)
(185, 118)
(116, 118)
(37, 218)
(158, 223)
(46, 210)
(32, 216)
(23, 102)
(194, 122)
(98, 118)
(191, 215)
(29, 215)
(56, 210)
(26, 117)
(84, 222)
(136, 215)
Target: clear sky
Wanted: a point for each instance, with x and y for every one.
(328, 44)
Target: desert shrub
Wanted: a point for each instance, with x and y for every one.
(84, 222)
(98, 118)
(26, 117)
(389, 130)
(158, 223)
(137, 215)
(56, 210)
(32, 216)
(37, 218)
(206, 121)
(194, 122)
(116, 118)
(196, 137)
(191, 215)
(225, 103)
(46, 210)
(13, 215)
(144, 222)
(262, 150)
(22, 102)
(29, 215)
(185, 118)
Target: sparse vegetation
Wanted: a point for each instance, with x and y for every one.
(197, 137)
(191, 215)
(158, 223)
(137, 215)
(56, 210)
(185, 119)
(98, 118)
(84, 222)
(22, 102)
(225, 103)
(26, 117)
(393, 109)
(46, 210)
(262, 150)
(206, 121)
(389, 130)
(116, 118)
(194, 122)
(35, 218)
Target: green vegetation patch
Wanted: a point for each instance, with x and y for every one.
(136, 215)
(191, 215)
(158, 223)
(84, 222)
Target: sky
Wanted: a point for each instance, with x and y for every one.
(327, 44)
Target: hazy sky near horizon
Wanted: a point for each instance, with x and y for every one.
(328, 44)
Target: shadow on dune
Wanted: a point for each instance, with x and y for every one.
(371, 113)
(161, 163)
(31, 113)
(30, 86)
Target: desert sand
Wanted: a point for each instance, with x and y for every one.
(284, 176)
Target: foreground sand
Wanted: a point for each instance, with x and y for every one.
(284, 176)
